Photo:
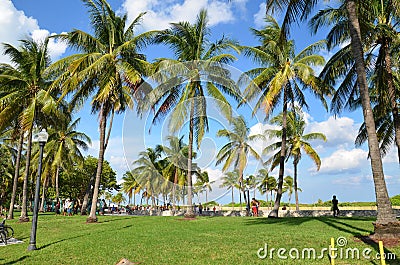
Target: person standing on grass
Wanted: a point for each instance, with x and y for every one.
(254, 206)
(335, 207)
(200, 209)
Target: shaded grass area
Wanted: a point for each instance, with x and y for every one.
(171, 240)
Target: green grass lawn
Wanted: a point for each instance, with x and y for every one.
(171, 240)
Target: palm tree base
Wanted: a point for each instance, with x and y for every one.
(189, 215)
(91, 220)
(23, 219)
(273, 214)
(388, 230)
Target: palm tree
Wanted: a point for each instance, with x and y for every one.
(24, 96)
(176, 156)
(118, 198)
(16, 133)
(110, 68)
(230, 180)
(281, 75)
(303, 8)
(130, 186)
(198, 70)
(236, 151)
(64, 148)
(148, 172)
(297, 141)
(288, 187)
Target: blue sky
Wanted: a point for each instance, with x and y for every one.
(345, 170)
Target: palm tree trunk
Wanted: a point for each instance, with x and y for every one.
(24, 211)
(189, 212)
(16, 175)
(87, 195)
(392, 96)
(174, 190)
(103, 119)
(233, 203)
(384, 208)
(41, 209)
(57, 184)
(274, 212)
(296, 193)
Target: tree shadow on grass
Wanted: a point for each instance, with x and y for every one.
(362, 235)
(115, 219)
(61, 240)
(15, 261)
(281, 220)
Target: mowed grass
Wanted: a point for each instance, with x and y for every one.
(172, 240)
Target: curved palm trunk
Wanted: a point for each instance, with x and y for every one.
(392, 96)
(92, 217)
(16, 175)
(296, 193)
(385, 212)
(274, 211)
(189, 212)
(24, 211)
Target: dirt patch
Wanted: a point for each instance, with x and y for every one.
(372, 241)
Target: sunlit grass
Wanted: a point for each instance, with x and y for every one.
(171, 240)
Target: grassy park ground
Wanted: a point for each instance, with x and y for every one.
(205, 240)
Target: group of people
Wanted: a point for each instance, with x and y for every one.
(67, 207)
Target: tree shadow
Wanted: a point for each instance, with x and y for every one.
(115, 219)
(15, 261)
(362, 235)
(61, 240)
(281, 220)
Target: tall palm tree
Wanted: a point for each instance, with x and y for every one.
(295, 9)
(197, 71)
(280, 78)
(24, 95)
(296, 142)
(236, 151)
(230, 180)
(110, 68)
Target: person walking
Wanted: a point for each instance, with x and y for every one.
(335, 207)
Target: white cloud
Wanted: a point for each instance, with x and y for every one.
(340, 132)
(15, 25)
(56, 47)
(259, 16)
(353, 181)
(344, 161)
(161, 13)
